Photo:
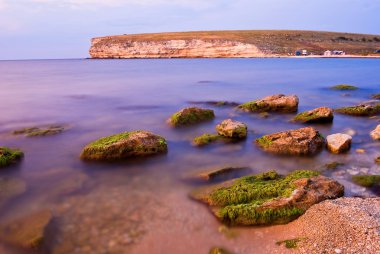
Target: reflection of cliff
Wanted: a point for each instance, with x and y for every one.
(172, 49)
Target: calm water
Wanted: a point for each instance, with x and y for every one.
(142, 206)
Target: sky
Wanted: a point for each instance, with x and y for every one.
(56, 29)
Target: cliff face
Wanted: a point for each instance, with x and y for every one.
(194, 48)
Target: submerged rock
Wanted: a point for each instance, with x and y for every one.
(232, 129)
(9, 156)
(214, 173)
(375, 134)
(275, 103)
(10, 188)
(360, 110)
(217, 103)
(304, 141)
(27, 232)
(338, 143)
(268, 198)
(205, 139)
(344, 87)
(321, 115)
(40, 131)
(192, 115)
(125, 145)
(366, 180)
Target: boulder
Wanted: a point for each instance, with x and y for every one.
(267, 198)
(28, 231)
(9, 156)
(366, 109)
(192, 115)
(125, 145)
(338, 143)
(10, 188)
(304, 141)
(318, 115)
(232, 129)
(275, 103)
(375, 134)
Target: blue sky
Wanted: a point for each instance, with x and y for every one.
(40, 29)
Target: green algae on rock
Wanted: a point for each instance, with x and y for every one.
(205, 139)
(125, 145)
(275, 103)
(40, 131)
(232, 129)
(344, 87)
(192, 115)
(289, 243)
(320, 115)
(9, 156)
(303, 141)
(268, 198)
(360, 110)
(366, 180)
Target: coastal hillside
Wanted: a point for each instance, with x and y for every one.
(245, 43)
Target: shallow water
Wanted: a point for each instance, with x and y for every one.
(142, 206)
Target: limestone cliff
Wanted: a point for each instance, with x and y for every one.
(194, 48)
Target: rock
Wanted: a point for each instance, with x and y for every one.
(27, 232)
(360, 150)
(338, 143)
(377, 160)
(10, 188)
(343, 87)
(267, 198)
(217, 103)
(332, 165)
(215, 173)
(304, 141)
(218, 250)
(9, 156)
(232, 129)
(40, 131)
(375, 134)
(366, 180)
(125, 145)
(205, 139)
(274, 103)
(360, 110)
(318, 115)
(347, 224)
(192, 115)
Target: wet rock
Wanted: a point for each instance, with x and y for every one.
(125, 145)
(338, 143)
(360, 110)
(267, 198)
(275, 103)
(189, 116)
(40, 131)
(232, 129)
(366, 180)
(375, 134)
(28, 231)
(304, 141)
(9, 156)
(216, 173)
(218, 250)
(318, 115)
(205, 139)
(344, 87)
(10, 188)
(332, 165)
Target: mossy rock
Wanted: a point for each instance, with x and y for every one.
(366, 180)
(332, 165)
(10, 188)
(28, 232)
(275, 103)
(219, 250)
(125, 145)
(40, 131)
(360, 110)
(232, 129)
(267, 198)
(189, 116)
(9, 156)
(318, 115)
(344, 87)
(205, 139)
(376, 96)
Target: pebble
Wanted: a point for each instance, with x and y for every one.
(338, 251)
